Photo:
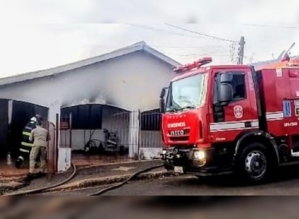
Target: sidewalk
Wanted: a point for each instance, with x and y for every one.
(7, 171)
(91, 176)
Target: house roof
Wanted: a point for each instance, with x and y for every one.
(140, 46)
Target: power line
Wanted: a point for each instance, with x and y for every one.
(162, 30)
(191, 47)
(205, 54)
(184, 35)
(232, 52)
(202, 34)
(199, 51)
(171, 47)
(267, 25)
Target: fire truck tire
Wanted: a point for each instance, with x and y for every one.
(254, 163)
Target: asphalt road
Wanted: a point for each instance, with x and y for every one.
(198, 206)
(285, 183)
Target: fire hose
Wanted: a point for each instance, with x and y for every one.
(97, 193)
(34, 191)
(100, 192)
(81, 212)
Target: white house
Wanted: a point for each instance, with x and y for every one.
(123, 83)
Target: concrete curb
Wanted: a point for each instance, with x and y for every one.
(85, 183)
(117, 164)
(15, 175)
(9, 179)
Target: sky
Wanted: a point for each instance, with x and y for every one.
(41, 34)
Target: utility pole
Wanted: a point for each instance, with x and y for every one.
(241, 51)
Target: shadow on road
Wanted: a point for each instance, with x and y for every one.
(184, 202)
(283, 174)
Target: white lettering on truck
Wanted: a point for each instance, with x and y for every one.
(176, 125)
(290, 124)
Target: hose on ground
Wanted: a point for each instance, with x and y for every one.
(47, 187)
(100, 192)
(81, 212)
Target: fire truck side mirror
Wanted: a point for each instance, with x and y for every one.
(162, 105)
(162, 101)
(225, 94)
(162, 94)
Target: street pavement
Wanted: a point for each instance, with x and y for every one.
(286, 182)
(201, 206)
(98, 175)
(151, 207)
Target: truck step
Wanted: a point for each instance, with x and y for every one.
(294, 154)
(289, 163)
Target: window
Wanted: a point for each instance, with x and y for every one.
(187, 92)
(239, 86)
(83, 116)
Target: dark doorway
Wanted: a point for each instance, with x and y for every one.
(3, 127)
(21, 114)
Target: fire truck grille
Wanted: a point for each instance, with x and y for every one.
(184, 138)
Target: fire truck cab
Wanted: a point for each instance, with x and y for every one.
(231, 119)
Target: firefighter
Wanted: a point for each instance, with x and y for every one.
(40, 137)
(26, 144)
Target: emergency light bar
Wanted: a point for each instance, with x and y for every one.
(193, 65)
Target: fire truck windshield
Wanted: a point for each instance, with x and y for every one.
(186, 93)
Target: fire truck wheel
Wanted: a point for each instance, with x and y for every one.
(254, 163)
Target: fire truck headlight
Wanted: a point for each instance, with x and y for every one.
(199, 155)
(164, 151)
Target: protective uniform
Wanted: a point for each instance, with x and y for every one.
(41, 137)
(26, 144)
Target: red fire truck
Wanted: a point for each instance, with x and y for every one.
(231, 119)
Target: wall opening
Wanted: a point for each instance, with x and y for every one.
(14, 116)
(99, 133)
(20, 116)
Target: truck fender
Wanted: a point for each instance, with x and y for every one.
(256, 134)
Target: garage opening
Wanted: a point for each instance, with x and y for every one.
(98, 133)
(14, 115)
